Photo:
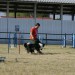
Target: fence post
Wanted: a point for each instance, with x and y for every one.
(73, 40)
(19, 41)
(64, 40)
(46, 38)
(22, 37)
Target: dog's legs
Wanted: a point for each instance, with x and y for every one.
(39, 52)
(37, 47)
(28, 50)
(32, 51)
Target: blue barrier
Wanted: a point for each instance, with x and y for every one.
(73, 40)
(12, 40)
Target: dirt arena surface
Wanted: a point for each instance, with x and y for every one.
(55, 60)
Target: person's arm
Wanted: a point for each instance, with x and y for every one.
(31, 33)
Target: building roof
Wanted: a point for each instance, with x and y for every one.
(43, 6)
(48, 1)
(52, 1)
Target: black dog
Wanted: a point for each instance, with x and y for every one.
(31, 47)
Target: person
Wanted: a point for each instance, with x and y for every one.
(34, 35)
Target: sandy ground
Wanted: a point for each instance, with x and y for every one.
(55, 60)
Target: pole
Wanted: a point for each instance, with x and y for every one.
(8, 42)
(8, 35)
(61, 17)
(19, 42)
(35, 6)
(64, 40)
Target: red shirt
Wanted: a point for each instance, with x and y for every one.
(33, 30)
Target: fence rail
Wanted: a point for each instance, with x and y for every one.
(46, 38)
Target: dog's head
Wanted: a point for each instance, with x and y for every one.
(25, 45)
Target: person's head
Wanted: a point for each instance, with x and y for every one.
(37, 25)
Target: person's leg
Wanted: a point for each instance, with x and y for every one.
(36, 44)
(37, 47)
(37, 40)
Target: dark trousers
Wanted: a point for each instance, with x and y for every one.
(36, 43)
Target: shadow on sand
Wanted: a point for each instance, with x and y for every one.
(46, 53)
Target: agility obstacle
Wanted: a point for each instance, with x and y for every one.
(12, 40)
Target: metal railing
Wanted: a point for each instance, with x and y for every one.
(47, 36)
